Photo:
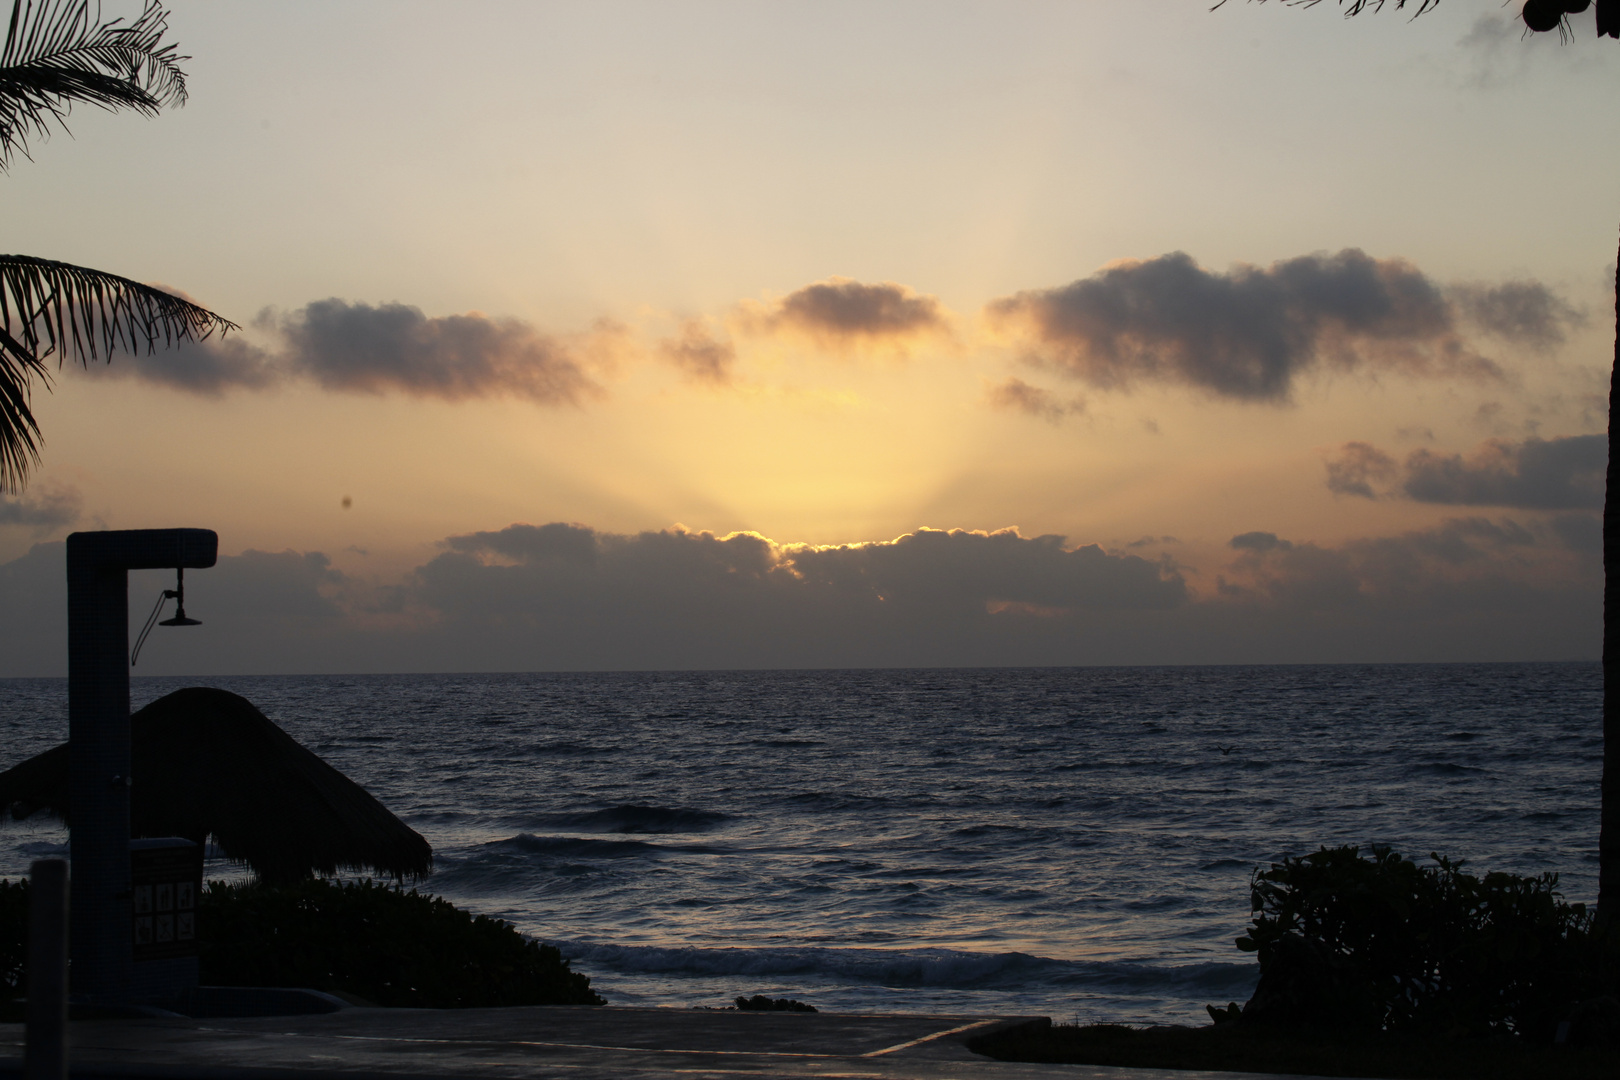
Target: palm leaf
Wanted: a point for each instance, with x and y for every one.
(1356, 6)
(59, 52)
(19, 434)
(81, 314)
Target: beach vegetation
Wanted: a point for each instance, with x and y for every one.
(1372, 941)
(360, 940)
(13, 938)
(380, 943)
(1374, 965)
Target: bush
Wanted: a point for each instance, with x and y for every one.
(13, 938)
(382, 944)
(364, 940)
(1377, 942)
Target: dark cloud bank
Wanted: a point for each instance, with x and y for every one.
(362, 348)
(395, 348)
(1537, 474)
(846, 310)
(1246, 334)
(43, 509)
(1249, 333)
(566, 597)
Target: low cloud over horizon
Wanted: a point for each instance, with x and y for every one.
(568, 597)
(43, 509)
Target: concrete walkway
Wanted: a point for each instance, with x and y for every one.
(544, 1042)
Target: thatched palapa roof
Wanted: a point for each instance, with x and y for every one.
(206, 762)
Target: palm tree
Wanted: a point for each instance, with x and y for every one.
(58, 53)
(1543, 16)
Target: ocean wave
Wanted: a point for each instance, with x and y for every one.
(541, 865)
(1444, 768)
(932, 968)
(632, 818)
(574, 847)
(568, 748)
(994, 830)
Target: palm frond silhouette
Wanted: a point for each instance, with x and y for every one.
(59, 53)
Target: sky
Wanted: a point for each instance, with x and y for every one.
(723, 335)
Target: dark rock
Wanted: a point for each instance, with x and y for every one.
(761, 1003)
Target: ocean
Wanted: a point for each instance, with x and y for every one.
(1074, 842)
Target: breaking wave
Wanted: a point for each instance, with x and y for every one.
(932, 968)
(636, 819)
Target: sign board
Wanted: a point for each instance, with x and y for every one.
(166, 876)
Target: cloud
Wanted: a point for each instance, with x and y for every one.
(1543, 474)
(1016, 395)
(1358, 466)
(44, 509)
(841, 313)
(568, 597)
(1247, 334)
(357, 347)
(1565, 473)
(1496, 47)
(1497, 51)
(970, 570)
(360, 348)
(1579, 532)
(1259, 541)
(208, 368)
(926, 569)
(699, 354)
(1523, 312)
(261, 611)
(1469, 588)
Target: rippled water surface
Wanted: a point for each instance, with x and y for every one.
(1075, 842)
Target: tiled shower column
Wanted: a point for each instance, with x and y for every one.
(98, 565)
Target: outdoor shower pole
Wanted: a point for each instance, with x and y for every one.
(98, 565)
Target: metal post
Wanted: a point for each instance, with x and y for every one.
(45, 1056)
(98, 740)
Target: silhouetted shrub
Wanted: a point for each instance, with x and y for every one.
(1376, 942)
(13, 937)
(363, 940)
(383, 944)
